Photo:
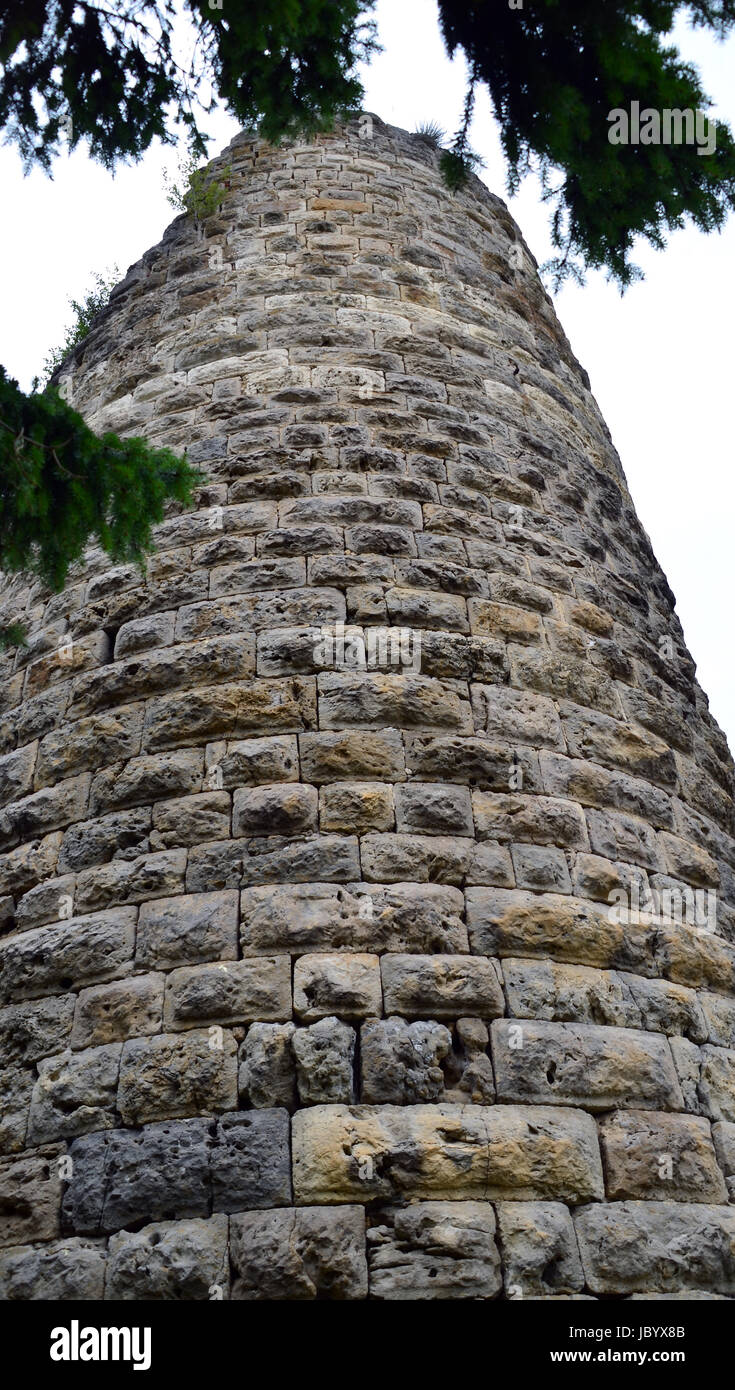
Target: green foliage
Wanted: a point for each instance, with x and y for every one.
(11, 636)
(554, 70)
(61, 486)
(71, 70)
(85, 312)
(432, 133)
(198, 192)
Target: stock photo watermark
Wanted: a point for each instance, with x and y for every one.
(667, 127)
(379, 648)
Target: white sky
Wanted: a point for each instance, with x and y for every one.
(659, 357)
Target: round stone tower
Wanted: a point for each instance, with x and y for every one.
(366, 887)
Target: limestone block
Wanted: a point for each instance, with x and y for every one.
(72, 1268)
(540, 1256)
(375, 701)
(29, 864)
(186, 930)
(49, 809)
(112, 1012)
(301, 1253)
(346, 984)
(131, 880)
(229, 711)
(228, 992)
(87, 743)
(719, 1016)
(151, 673)
(182, 1074)
(356, 917)
(75, 1092)
(251, 1161)
(123, 1178)
(543, 869)
(191, 820)
(51, 901)
(648, 1155)
(400, 1062)
(539, 819)
(433, 1250)
(352, 754)
(441, 986)
(77, 952)
(457, 758)
(267, 1067)
(16, 773)
(324, 1055)
(630, 1247)
(578, 1064)
(30, 1196)
(146, 779)
(433, 809)
(173, 1260)
(581, 994)
(552, 925)
(122, 834)
(517, 716)
(248, 762)
(355, 807)
(283, 809)
(445, 1152)
(16, 1088)
(29, 1031)
(140, 634)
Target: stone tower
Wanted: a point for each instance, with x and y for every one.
(367, 888)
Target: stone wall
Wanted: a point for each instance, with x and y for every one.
(315, 976)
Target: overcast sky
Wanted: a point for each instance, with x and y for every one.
(660, 357)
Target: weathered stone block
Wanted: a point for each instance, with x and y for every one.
(187, 930)
(284, 809)
(249, 762)
(630, 1247)
(448, 1152)
(325, 1055)
(400, 1062)
(357, 917)
(174, 1260)
(191, 820)
(540, 1256)
(131, 880)
(576, 1064)
(251, 1162)
(302, 1253)
(75, 1092)
(433, 1250)
(347, 985)
(355, 807)
(352, 754)
(113, 1012)
(267, 1066)
(581, 994)
(126, 1178)
(73, 953)
(32, 1030)
(30, 1196)
(229, 992)
(181, 1074)
(441, 986)
(73, 1268)
(433, 809)
(649, 1155)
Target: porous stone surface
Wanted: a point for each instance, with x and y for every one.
(367, 871)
